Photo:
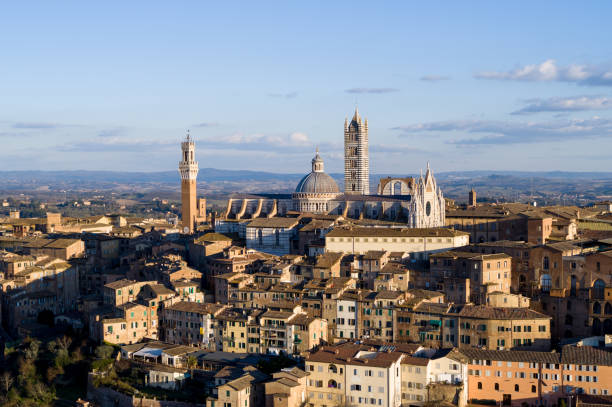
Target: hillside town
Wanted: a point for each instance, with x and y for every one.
(390, 296)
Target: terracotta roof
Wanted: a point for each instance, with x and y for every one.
(470, 255)
(394, 232)
(213, 237)
(328, 259)
(511, 356)
(374, 254)
(586, 355)
(120, 284)
(317, 224)
(350, 353)
(415, 361)
(196, 307)
(284, 223)
(431, 308)
(591, 400)
(394, 267)
(277, 314)
(422, 293)
(179, 350)
(61, 243)
(160, 289)
(287, 382)
(388, 295)
(301, 319)
(487, 312)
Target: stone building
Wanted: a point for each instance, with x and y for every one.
(315, 190)
(415, 202)
(537, 378)
(418, 242)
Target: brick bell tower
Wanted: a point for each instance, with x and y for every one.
(188, 168)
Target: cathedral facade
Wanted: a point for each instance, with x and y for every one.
(415, 202)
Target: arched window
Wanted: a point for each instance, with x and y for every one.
(596, 327)
(332, 384)
(397, 188)
(607, 326)
(533, 388)
(333, 368)
(516, 387)
(596, 308)
(545, 282)
(569, 320)
(496, 386)
(598, 289)
(479, 385)
(608, 308)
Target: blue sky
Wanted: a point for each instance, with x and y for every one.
(464, 85)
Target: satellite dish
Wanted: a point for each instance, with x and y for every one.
(186, 229)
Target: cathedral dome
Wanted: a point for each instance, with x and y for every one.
(317, 182)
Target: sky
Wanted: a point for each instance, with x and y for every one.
(474, 85)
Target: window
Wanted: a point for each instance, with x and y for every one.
(533, 389)
(479, 385)
(516, 387)
(497, 386)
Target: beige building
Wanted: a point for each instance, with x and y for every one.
(248, 390)
(419, 243)
(287, 388)
(484, 273)
(353, 374)
(190, 323)
(291, 332)
(133, 324)
(414, 381)
(501, 328)
(123, 291)
(64, 249)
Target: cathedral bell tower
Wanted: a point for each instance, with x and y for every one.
(356, 156)
(188, 168)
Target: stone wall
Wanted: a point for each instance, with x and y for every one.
(107, 397)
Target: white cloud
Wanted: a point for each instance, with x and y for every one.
(566, 104)
(434, 78)
(372, 90)
(511, 132)
(549, 71)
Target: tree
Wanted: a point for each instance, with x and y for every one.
(6, 381)
(104, 352)
(31, 352)
(192, 362)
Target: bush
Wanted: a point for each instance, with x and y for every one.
(104, 352)
(102, 364)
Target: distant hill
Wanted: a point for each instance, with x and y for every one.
(215, 175)
(545, 187)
